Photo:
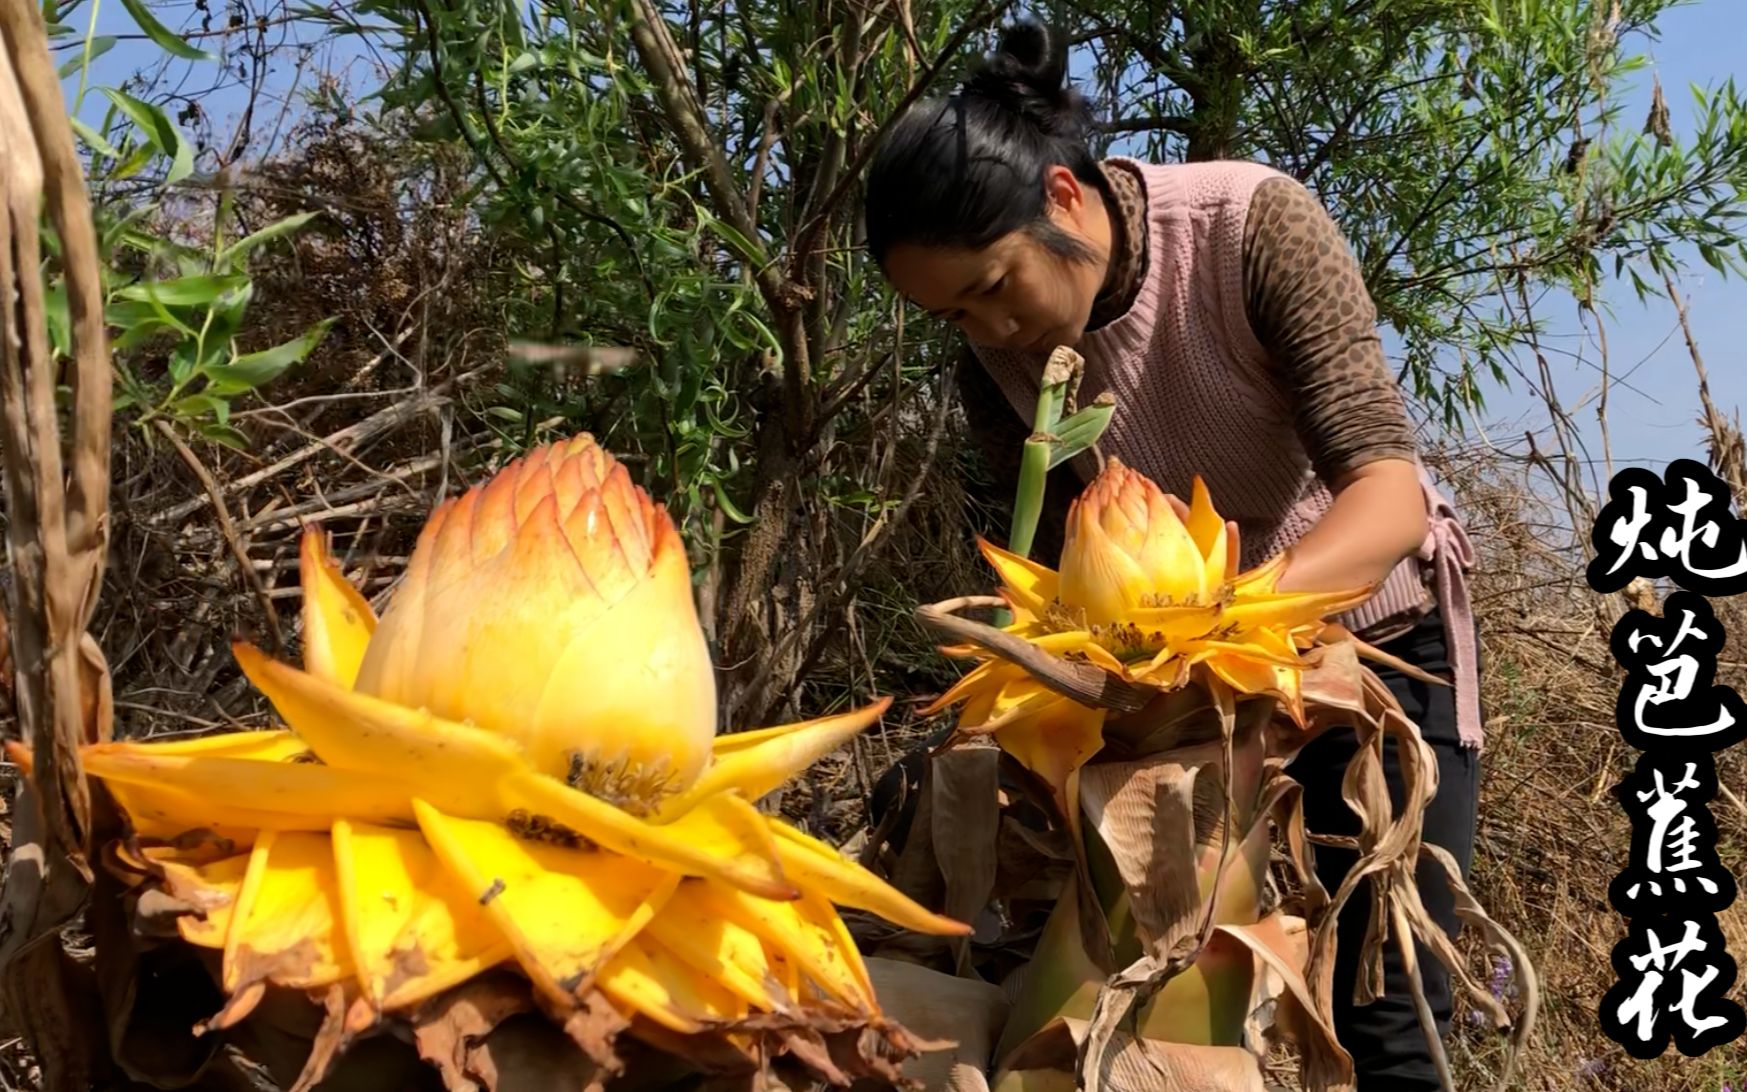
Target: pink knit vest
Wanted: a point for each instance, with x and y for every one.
(1196, 393)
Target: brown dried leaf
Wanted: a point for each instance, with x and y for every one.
(1388, 843)
(1184, 934)
(1523, 974)
(830, 1042)
(1162, 819)
(1333, 690)
(810, 1047)
(156, 913)
(949, 858)
(335, 1032)
(1031, 865)
(968, 1011)
(710, 1053)
(916, 872)
(528, 1053)
(855, 1048)
(1180, 717)
(964, 785)
(255, 970)
(447, 1028)
(1047, 1061)
(1283, 800)
(49, 1001)
(1656, 123)
(594, 1026)
(96, 691)
(1281, 946)
(153, 993)
(1144, 813)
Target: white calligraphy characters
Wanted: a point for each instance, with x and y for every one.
(1641, 1004)
(1674, 544)
(1675, 674)
(1673, 836)
(1676, 527)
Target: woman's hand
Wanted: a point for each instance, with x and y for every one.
(1377, 519)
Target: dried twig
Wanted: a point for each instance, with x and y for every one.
(1728, 453)
(1082, 682)
(819, 214)
(351, 437)
(227, 527)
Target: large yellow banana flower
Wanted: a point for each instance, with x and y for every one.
(516, 765)
(1149, 591)
(554, 606)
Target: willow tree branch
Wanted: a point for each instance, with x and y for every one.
(562, 196)
(679, 101)
(848, 579)
(481, 152)
(1432, 204)
(1726, 446)
(1181, 126)
(819, 216)
(785, 299)
(1335, 138)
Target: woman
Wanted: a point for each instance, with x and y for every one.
(1220, 305)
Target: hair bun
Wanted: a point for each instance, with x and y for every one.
(1028, 76)
(1034, 55)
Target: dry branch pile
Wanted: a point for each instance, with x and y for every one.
(364, 439)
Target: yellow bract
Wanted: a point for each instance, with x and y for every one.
(516, 764)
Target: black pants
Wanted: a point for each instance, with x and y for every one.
(1388, 1048)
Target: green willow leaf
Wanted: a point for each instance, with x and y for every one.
(159, 132)
(278, 229)
(184, 291)
(165, 39)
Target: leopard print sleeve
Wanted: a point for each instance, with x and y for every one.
(1307, 303)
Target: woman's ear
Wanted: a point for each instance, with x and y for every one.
(1064, 195)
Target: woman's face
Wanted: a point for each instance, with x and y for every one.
(1014, 293)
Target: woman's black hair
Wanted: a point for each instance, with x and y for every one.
(964, 170)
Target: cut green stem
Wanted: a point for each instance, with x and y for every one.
(1034, 467)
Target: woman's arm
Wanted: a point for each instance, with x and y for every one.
(1307, 302)
(1377, 519)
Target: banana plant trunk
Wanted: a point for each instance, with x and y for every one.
(1163, 861)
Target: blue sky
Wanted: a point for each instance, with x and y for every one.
(1655, 422)
(1650, 422)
